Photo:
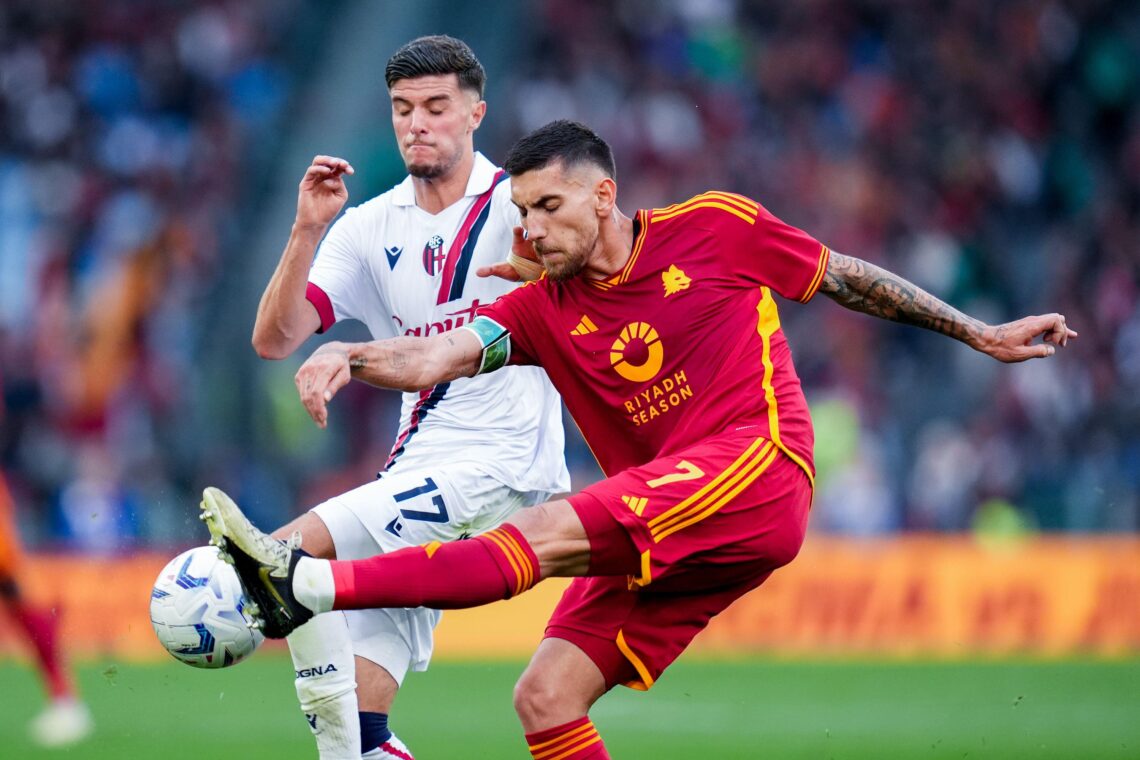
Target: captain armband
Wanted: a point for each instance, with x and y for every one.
(496, 342)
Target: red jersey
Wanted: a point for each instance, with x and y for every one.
(684, 342)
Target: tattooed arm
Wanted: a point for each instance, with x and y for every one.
(407, 363)
(864, 287)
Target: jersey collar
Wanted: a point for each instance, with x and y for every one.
(482, 177)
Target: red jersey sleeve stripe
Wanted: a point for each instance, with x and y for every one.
(744, 204)
(820, 271)
(320, 300)
(686, 208)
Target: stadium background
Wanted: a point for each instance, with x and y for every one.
(967, 512)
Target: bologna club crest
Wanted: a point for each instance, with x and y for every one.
(434, 256)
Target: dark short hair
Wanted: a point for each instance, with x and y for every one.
(437, 54)
(570, 142)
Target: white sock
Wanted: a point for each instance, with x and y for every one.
(313, 584)
(325, 671)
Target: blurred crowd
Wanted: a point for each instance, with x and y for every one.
(124, 131)
(990, 152)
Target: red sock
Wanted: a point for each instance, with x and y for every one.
(576, 740)
(489, 567)
(41, 626)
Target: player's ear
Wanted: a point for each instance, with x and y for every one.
(477, 114)
(605, 196)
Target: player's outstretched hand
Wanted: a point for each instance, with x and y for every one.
(1015, 341)
(320, 377)
(522, 262)
(502, 269)
(322, 192)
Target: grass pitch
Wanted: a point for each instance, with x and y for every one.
(723, 709)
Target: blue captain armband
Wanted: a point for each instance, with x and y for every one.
(496, 342)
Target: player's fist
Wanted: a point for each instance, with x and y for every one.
(522, 262)
(322, 192)
(523, 258)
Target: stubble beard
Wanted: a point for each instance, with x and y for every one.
(436, 170)
(426, 171)
(568, 268)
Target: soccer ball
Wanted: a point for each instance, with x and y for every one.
(199, 613)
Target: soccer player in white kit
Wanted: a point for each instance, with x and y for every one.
(469, 452)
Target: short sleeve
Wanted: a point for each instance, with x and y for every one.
(764, 249)
(518, 311)
(338, 277)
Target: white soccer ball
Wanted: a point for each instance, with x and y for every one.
(198, 612)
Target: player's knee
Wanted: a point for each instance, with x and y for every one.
(537, 698)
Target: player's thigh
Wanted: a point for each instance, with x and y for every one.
(633, 634)
(415, 507)
(714, 514)
(558, 537)
(397, 640)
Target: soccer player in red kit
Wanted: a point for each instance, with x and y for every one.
(661, 332)
(66, 719)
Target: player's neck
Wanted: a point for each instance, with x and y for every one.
(615, 244)
(435, 194)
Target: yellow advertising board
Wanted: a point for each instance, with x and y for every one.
(929, 596)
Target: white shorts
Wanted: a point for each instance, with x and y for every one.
(405, 509)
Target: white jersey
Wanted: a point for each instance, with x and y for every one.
(403, 271)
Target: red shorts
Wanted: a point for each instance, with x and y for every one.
(709, 524)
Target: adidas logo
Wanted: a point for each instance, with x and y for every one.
(585, 326)
(636, 503)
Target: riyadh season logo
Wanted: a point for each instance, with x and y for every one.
(637, 354)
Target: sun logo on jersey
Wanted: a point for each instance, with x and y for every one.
(675, 280)
(434, 256)
(637, 353)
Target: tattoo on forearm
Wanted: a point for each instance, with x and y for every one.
(410, 362)
(860, 286)
(397, 359)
